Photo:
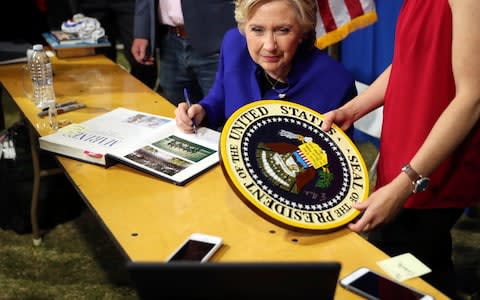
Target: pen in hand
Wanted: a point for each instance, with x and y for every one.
(187, 99)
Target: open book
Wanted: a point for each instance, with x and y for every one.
(150, 143)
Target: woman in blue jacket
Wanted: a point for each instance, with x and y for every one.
(270, 56)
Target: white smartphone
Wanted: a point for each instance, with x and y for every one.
(374, 286)
(197, 247)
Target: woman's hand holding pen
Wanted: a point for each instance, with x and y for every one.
(185, 116)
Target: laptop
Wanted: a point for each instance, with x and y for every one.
(235, 280)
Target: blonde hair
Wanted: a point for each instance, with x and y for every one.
(306, 10)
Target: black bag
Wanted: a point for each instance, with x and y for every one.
(58, 200)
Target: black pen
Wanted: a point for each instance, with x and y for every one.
(63, 109)
(187, 98)
(58, 105)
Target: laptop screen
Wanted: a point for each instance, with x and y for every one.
(239, 280)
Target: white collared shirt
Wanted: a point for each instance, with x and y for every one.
(170, 12)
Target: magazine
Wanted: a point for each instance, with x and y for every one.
(74, 48)
(62, 40)
(150, 143)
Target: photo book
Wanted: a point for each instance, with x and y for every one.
(146, 142)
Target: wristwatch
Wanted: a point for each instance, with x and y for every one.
(419, 182)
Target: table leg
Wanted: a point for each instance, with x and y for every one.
(2, 117)
(37, 174)
(37, 235)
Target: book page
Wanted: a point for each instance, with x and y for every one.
(173, 154)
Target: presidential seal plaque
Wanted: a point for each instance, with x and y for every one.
(288, 170)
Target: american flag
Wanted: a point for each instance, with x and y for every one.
(338, 18)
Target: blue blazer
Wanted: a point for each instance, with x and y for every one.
(315, 80)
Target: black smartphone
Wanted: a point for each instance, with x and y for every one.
(374, 286)
(197, 247)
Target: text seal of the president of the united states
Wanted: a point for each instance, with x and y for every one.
(288, 170)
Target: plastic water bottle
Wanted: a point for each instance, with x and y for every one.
(42, 81)
(52, 115)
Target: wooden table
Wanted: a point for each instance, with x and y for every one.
(148, 218)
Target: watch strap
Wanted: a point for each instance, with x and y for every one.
(412, 174)
(420, 183)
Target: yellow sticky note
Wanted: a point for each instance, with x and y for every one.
(404, 266)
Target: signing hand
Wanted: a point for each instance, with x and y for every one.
(185, 116)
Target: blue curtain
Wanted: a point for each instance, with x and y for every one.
(368, 51)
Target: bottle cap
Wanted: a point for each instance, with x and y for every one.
(37, 47)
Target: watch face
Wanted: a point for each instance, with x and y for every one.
(421, 184)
